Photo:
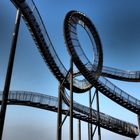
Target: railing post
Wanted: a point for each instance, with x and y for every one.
(9, 73)
(59, 114)
(79, 129)
(71, 100)
(98, 115)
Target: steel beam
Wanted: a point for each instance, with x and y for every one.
(9, 72)
(139, 122)
(90, 116)
(79, 129)
(98, 115)
(89, 131)
(59, 114)
(66, 115)
(94, 131)
(71, 101)
(65, 78)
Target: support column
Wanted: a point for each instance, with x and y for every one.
(79, 129)
(59, 114)
(9, 73)
(71, 100)
(89, 138)
(139, 122)
(98, 115)
(90, 116)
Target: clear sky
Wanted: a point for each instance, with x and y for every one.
(117, 23)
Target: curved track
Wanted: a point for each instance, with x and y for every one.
(81, 112)
(38, 31)
(45, 46)
(74, 18)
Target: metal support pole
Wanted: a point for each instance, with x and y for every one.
(90, 116)
(65, 78)
(139, 122)
(79, 129)
(94, 131)
(98, 115)
(89, 131)
(65, 118)
(59, 114)
(71, 100)
(9, 73)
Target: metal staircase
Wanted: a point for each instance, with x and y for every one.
(102, 84)
(81, 112)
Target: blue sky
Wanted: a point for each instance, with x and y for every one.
(117, 23)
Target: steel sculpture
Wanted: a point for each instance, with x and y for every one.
(94, 74)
